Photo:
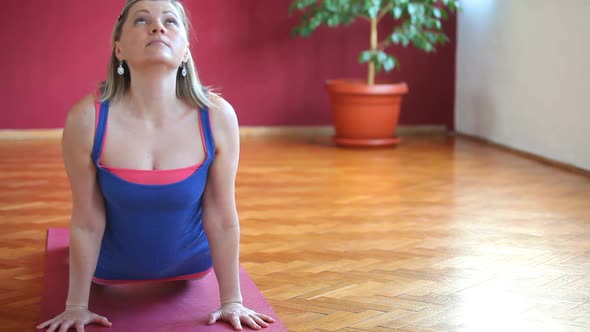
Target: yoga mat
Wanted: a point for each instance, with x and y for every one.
(173, 306)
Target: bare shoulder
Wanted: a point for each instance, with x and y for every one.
(79, 124)
(222, 112)
(224, 122)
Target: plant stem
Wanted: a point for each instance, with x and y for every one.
(373, 50)
(384, 11)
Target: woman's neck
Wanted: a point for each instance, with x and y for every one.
(152, 93)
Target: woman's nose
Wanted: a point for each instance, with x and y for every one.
(158, 28)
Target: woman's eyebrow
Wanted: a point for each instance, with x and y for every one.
(147, 11)
(171, 12)
(142, 10)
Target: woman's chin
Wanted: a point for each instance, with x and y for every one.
(158, 62)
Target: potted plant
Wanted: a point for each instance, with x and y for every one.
(366, 111)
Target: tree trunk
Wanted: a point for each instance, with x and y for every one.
(373, 50)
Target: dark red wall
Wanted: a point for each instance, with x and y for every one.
(54, 52)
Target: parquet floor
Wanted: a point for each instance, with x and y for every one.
(439, 234)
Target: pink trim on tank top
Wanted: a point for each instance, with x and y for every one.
(145, 176)
(191, 276)
(165, 176)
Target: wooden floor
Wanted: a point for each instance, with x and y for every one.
(439, 234)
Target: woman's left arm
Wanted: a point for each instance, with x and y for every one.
(221, 222)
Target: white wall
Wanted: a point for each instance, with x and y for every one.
(523, 76)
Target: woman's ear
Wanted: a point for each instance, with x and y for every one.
(118, 52)
(186, 55)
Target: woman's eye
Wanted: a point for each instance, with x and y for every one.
(140, 20)
(171, 21)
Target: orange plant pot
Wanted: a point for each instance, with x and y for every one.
(365, 115)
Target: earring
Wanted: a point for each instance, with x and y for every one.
(183, 69)
(120, 69)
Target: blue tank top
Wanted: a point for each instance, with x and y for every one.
(152, 231)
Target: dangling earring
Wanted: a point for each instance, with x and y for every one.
(120, 69)
(183, 69)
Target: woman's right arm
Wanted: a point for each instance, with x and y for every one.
(88, 218)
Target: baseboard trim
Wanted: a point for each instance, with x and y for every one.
(421, 130)
(532, 156)
(249, 131)
(329, 130)
(30, 134)
(245, 131)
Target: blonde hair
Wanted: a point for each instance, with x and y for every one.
(188, 88)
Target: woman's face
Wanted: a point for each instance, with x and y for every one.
(153, 34)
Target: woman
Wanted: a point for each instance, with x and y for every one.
(154, 200)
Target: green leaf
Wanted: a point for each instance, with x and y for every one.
(397, 12)
(364, 57)
(373, 7)
(437, 12)
(412, 9)
(452, 5)
(389, 64)
(438, 24)
(419, 42)
(378, 66)
(332, 21)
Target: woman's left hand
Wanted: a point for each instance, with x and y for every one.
(236, 314)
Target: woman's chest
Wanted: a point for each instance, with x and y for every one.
(135, 145)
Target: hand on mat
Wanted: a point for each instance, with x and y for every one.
(75, 317)
(236, 314)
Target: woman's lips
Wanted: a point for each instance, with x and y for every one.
(157, 42)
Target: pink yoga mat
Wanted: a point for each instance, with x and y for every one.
(174, 306)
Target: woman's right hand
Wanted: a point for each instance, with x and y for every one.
(75, 317)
